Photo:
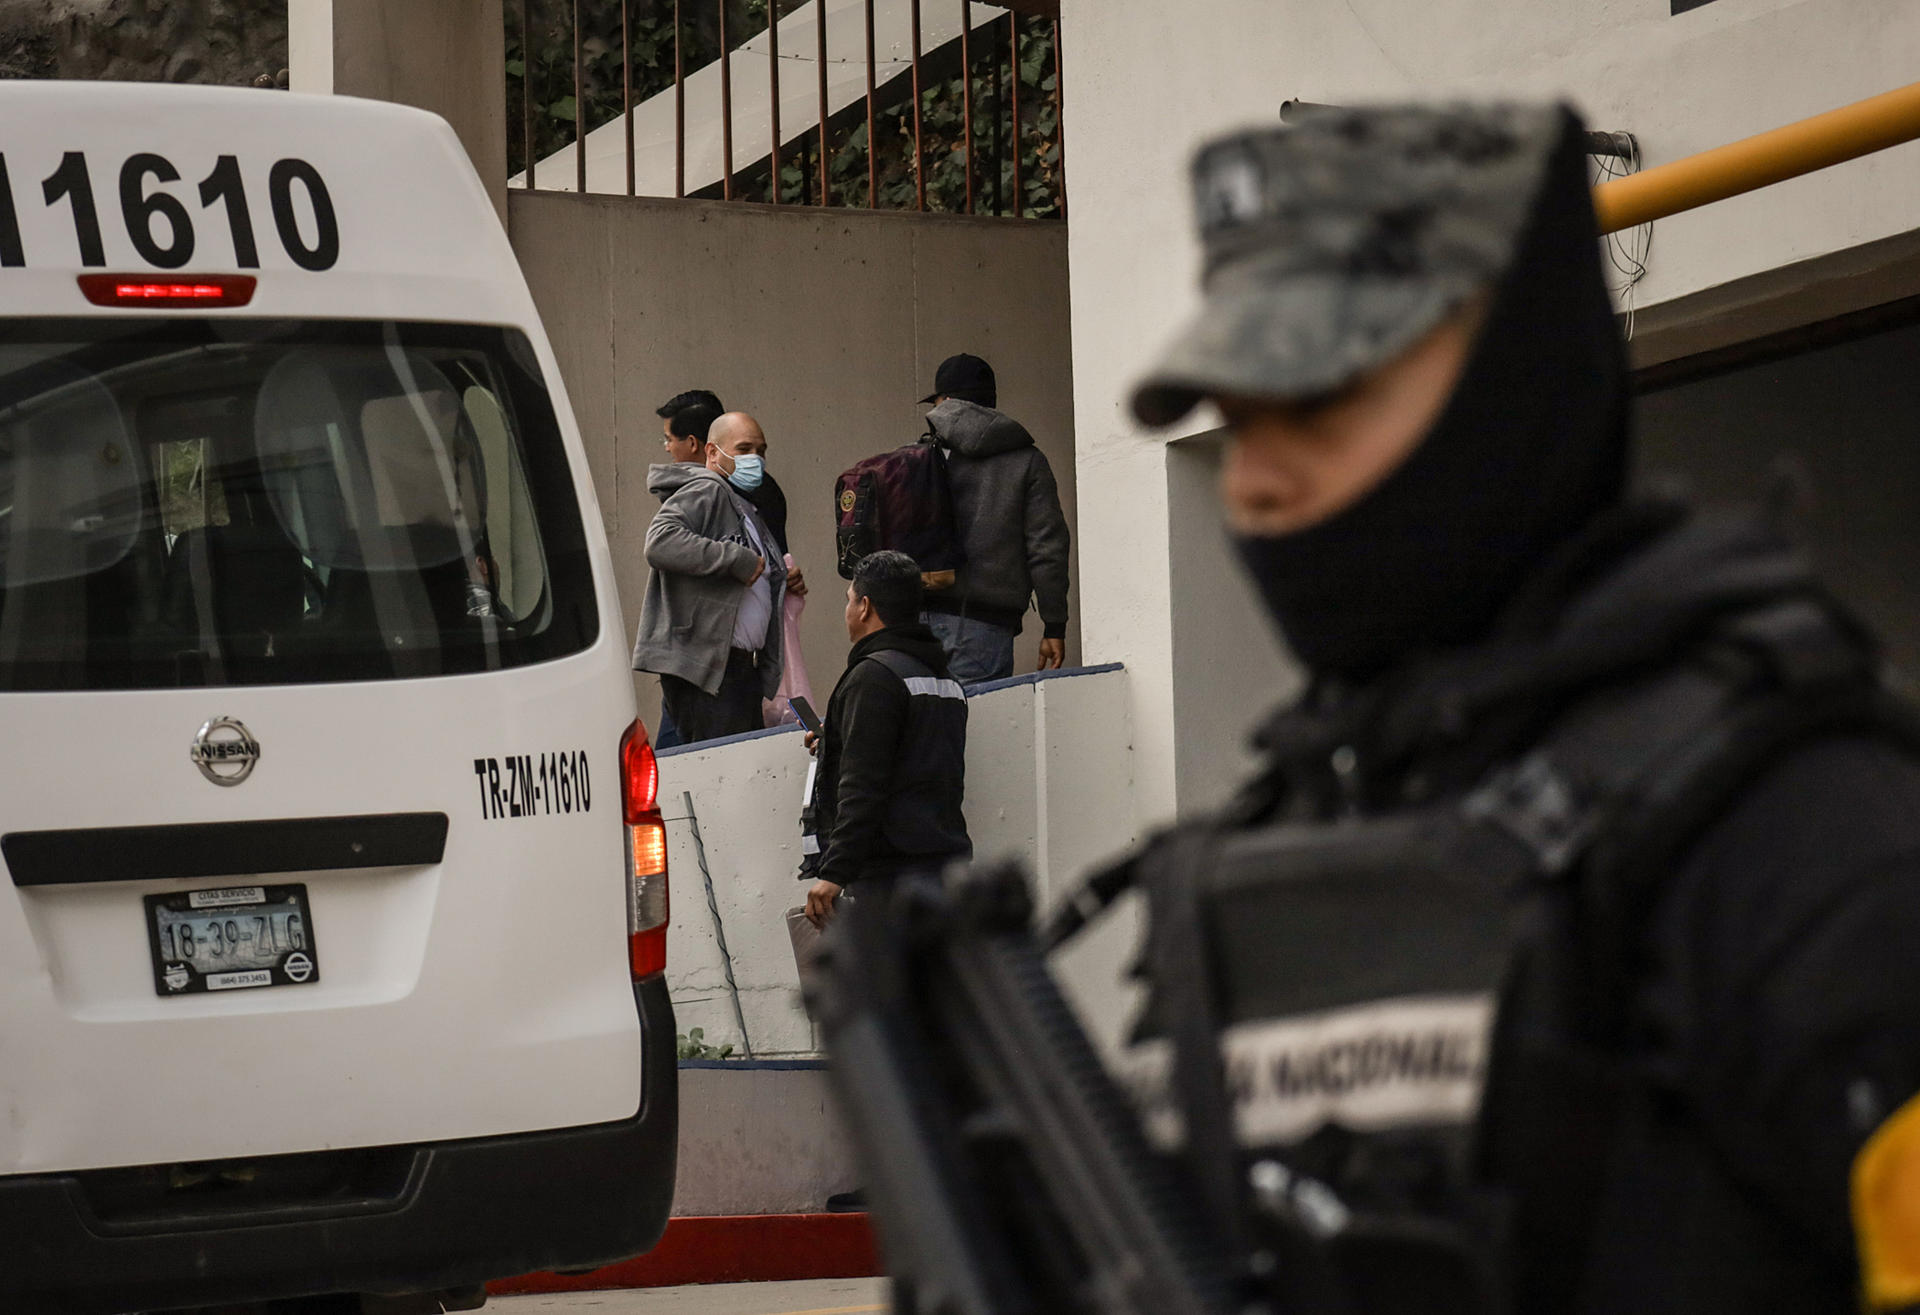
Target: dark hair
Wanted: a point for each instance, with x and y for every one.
(891, 582)
(693, 421)
(692, 397)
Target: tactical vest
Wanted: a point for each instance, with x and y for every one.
(1396, 1075)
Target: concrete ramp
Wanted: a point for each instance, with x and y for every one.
(653, 119)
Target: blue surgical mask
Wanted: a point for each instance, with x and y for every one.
(748, 470)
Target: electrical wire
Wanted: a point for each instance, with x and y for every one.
(1627, 253)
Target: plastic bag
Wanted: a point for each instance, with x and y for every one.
(776, 711)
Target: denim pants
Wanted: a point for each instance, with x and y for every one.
(976, 650)
(733, 710)
(666, 735)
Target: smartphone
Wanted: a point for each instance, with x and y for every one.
(808, 717)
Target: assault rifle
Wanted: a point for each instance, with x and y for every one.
(1009, 1174)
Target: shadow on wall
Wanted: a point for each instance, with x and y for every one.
(1842, 417)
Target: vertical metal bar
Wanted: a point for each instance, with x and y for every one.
(873, 158)
(679, 105)
(820, 63)
(726, 109)
(526, 86)
(966, 93)
(996, 158)
(626, 87)
(579, 109)
(773, 84)
(1060, 116)
(919, 152)
(1019, 192)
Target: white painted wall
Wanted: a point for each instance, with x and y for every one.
(1146, 83)
(1049, 781)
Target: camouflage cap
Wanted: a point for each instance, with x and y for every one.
(1334, 246)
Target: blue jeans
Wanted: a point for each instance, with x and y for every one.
(976, 650)
(666, 735)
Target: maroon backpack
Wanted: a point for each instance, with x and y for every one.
(899, 500)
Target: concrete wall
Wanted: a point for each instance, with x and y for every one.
(1148, 82)
(1049, 781)
(448, 56)
(826, 325)
(759, 1139)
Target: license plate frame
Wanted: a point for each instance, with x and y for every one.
(202, 972)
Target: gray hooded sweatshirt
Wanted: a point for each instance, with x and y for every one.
(702, 559)
(1008, 509)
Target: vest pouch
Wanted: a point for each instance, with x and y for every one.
(1358, 968)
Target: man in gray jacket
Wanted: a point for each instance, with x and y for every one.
(710, 626)
(1007, 507)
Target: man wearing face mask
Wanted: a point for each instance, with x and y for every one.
(711, 623)
(1628, 830)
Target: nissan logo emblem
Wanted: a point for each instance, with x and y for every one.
(224, 751)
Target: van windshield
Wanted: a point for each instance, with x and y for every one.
(241, 502)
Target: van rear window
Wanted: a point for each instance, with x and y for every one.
(186, 502)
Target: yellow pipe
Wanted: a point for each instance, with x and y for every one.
(1761, 160)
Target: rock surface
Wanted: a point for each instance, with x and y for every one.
(214, 41)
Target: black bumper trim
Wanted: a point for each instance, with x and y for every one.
(471, 1210)
(224, 849)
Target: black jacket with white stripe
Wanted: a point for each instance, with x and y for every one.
(893, 762)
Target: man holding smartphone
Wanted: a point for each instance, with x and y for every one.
(887, 796)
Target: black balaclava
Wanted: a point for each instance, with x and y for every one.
(1531, 446)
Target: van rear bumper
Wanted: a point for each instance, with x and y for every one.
(463, 1212)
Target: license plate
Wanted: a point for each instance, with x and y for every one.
(232, 938)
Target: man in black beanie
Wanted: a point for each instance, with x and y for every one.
(1673, 1067)
(1006, 506)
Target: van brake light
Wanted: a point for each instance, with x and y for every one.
(190, 290)
(646, 859)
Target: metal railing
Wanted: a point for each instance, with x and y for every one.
(947, 105)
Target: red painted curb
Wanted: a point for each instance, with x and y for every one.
(728, 1249)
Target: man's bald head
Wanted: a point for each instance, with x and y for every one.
(734, 429)
(735, 434)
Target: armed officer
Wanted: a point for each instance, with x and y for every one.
(1574, 921)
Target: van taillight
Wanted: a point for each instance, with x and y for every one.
(647, 909)
(190, 290)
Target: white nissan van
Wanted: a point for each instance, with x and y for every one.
(334, 917)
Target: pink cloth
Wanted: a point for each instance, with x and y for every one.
(776, 711)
